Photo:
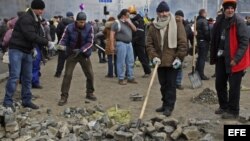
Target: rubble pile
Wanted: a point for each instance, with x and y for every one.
(95, 124)
(207, 96)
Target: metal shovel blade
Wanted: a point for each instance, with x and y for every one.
(195, 79)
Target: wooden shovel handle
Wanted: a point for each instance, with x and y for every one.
(148, 91)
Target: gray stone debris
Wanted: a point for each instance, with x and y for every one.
(207, 96)
(79, 124)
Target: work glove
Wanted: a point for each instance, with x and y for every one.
(177, 63)
(51, 45)
(77, 52)
(156, 60)
(34, 53)
(60, 47)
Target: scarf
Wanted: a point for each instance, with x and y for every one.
(162, 24)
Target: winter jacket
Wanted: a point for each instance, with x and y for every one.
(70, 38)
(139, 34)
(203, 32)
(167, 55)
(236, 43)
(61, 27)
(27, 33)
(106, 33)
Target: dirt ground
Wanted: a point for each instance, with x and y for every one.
(109, 93)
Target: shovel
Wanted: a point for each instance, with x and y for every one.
(194, 76)
(99, 47)
(147, 95)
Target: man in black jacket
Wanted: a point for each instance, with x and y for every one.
(26, 35)
(203, 39)
(61, 53)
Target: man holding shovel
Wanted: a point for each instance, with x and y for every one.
(167, 46)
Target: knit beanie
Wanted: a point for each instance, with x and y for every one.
(69, 14)
(37, 4)
(179, 13)
(81, 16)
(228, 4)
(163, 6)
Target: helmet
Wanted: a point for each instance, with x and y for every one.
(229, 1)
(132, 9)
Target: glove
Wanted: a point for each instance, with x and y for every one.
(156, 60)
(51, 45)
(77, 52)
(34, 53)
(177, 63)
(60, 47)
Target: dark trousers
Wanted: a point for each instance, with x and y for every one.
(87, 69)
(101, 55)
(167, 79)
(203, 48)
(228, 99)
(140, 52)
(60, 61)
(112, 65)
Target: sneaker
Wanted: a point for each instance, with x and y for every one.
(145, 75)
(220, 111)
(30, 105)
(37, 86)
(179, 87)
(204, 77)
(57, 75)
(122, 82)
(160, 109)
(227, 115)
(62, 101)
(91, 96)
(132, 81)
(167, 112)
(10, 106)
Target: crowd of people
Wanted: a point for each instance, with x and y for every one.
(164, 41)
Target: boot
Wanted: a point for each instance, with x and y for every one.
(63, 100)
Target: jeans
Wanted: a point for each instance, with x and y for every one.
(179, 76)
(202, 56)
(36, 68)
(87, 69)
(125, 57)
(20, 62)
(111, 66)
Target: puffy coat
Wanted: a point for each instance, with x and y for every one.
(27, 33)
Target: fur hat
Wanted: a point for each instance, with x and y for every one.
(179, 13)
(37, 4)
(163, 6)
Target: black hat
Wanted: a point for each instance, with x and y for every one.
(179, 13)
(37, 4)
(163, 6)
(81, 16)
(69, 14)
(228, 4)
